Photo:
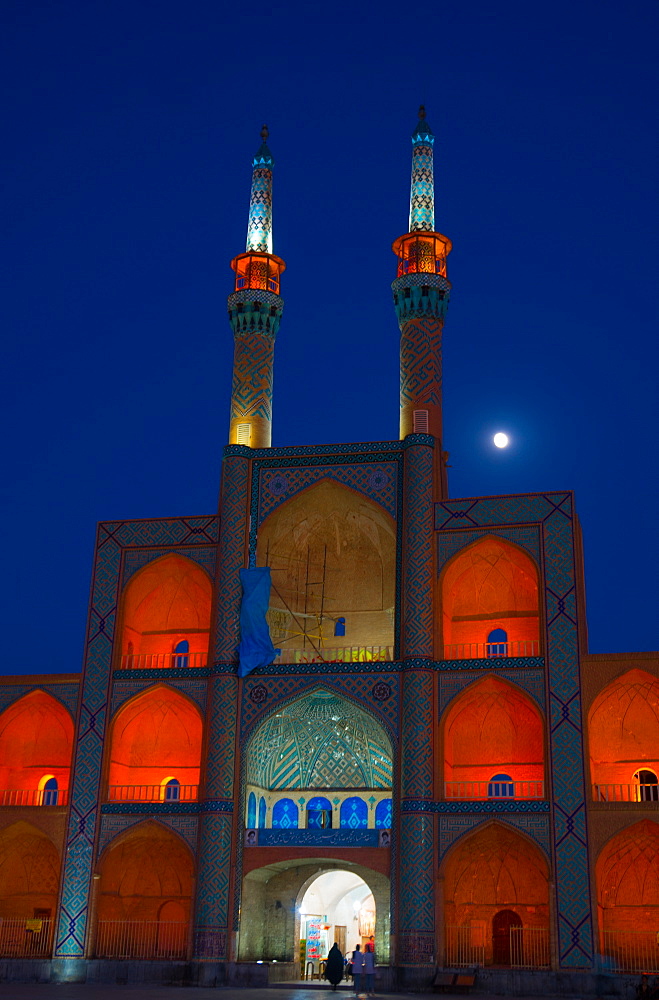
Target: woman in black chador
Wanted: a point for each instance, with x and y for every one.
(334, 966)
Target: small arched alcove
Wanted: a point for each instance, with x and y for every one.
(29, 875)
(36, 744)
(332, 555)
(144, 895)
(489, 602)
(493, 743)
(166, 609)
(496, 899)
(155, 748)
(623, 731)
(627, 873)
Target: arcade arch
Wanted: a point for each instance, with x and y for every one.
(493, 743)
(29, 873)
(155, 747)
(627, 873)
(330, 752)
(623, 730)
(166, 611)
(280, 899)
(496, 896)
(36, 743)
(332, 555)
(490, 589)
(144, 895)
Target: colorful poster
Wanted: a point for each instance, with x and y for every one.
(314, 938)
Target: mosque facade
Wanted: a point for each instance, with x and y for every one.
(346, 705)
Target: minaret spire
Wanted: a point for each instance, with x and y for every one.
(421, 294)
(255, 310)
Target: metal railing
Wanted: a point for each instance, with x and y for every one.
(25, 938)
(147, 939)
(153, 793)
(626, 793)
(34, 797)
(491, 650)
(341, 654)
(630, 951)
(162, 661)
(526, 948)
(494, 789)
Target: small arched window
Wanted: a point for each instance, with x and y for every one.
(497, 643)
(251, 811)
(180, 657)
(262, 808)
(501, 786)
(340, 627)
(354, 814)
(173, 790)
(319, 813)
(647, 786)
(49, 792)
(284, 815)
(383, 814)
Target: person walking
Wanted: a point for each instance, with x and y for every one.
(357, 967)
(334, 966)
(369, 969)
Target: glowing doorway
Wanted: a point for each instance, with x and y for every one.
(338, 906)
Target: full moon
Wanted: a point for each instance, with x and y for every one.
(501, 440)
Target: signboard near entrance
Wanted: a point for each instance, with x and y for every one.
(314, 938)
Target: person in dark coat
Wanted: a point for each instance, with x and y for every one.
(334, 966)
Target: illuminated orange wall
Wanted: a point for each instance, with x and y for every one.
(157, 735)
(495, 869)
(490, 584)
(623, 729)
(166, 602)
(493, 727)
(627, 873)
(29, 871)
(36, 738)
(148, 874)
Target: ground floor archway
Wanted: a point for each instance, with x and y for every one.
(348, 902)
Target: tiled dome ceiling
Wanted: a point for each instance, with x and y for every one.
(320, 741)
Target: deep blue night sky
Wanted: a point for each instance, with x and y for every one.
(128, 131)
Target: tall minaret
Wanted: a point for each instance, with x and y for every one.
(255, 309)
(421, 294)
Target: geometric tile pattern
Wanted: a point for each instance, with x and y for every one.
(422, 198)
(251, 391)
(417, 638)
(113, 538)
(417, 874)
(111, 826)
(451, 684)
(452, 827)
(449, 542)
(122, 691)
(553, 514)
(67, 694)
(233, 517)
(222, 726)
(377, 480)
(206, 557)
(417, 722)
(421, 362)
(259, 226)
(213, 881)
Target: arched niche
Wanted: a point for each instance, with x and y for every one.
(488, 872)
(164, 605)
(321, 743)
(623, 736)
(29, 873)
(36, 742)
(144, 895)
(155, 738)
(332, 555)
(490, 585)
(627, 873)
(490, 729)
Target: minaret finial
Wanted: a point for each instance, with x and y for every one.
(265, 133)
(422, 112)
(422, 195)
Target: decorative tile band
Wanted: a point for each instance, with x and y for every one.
(317, 838)
(471, 806)
(168, 808)
(372, 666)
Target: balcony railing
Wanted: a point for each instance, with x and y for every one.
(339, 654)
(153, 793)
(630, 951)
(523, 948)
(146, 939)
(491, 650)
(25, 938)
(162, 661)
(626, 793)
(34, 797)
(494, 789)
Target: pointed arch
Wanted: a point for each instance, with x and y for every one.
(29, 871)
(489, 584)
(627, 874)
(332, 553)
(36, 738)
(155, 736)
(623, 734)
(164, 604)
(492, 727)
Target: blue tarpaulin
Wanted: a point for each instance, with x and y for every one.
(255, 649)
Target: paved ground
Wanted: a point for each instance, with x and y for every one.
(81, 991)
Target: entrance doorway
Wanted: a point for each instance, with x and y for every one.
(504, 924)
(337, 906)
